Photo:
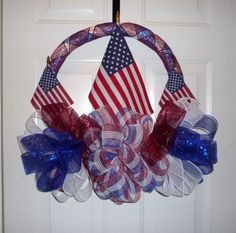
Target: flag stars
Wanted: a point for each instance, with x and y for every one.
(48, 80)
(117, 53)
(175, 82)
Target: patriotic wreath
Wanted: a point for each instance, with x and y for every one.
(117, 150)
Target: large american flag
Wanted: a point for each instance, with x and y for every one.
(50, 91)
(175, 89)
(118, 82)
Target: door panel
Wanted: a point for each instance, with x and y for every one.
(201, 34)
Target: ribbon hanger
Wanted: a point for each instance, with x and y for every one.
(116, 12)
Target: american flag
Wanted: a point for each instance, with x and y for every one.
(118, 82)
(50, 91)
(175, 89)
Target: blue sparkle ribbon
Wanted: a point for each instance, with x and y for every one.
(51, 155)
(201, 149)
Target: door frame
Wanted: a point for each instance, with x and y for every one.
(1, 124)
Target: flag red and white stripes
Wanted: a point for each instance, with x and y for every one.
(50, 91)
(167, 96)
(122, 89)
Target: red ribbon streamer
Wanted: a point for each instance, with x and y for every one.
(161, 138)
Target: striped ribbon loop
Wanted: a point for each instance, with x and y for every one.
(118, 171)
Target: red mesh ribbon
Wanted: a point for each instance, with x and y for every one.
(64, 119)
(161, 138)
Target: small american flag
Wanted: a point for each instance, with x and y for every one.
(118, 82)
(175, 89)
(50, 91)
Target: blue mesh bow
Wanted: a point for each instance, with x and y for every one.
(51, 155)
(200, 149)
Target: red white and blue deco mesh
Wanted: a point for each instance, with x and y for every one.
(117, 151)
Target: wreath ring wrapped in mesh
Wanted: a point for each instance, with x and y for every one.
(117, 151)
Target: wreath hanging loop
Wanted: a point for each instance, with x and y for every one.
(117, 151)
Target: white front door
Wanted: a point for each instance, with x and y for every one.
(202, 35)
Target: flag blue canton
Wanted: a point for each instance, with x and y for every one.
(175, 82)
(117, 55)
(48, 80)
